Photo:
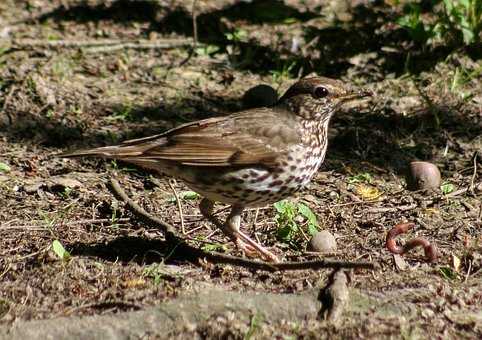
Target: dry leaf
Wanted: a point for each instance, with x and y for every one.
(456, 263)
(367, 192)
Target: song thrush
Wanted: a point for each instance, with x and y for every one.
(247, 159)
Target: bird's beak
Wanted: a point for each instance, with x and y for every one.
(356, 95)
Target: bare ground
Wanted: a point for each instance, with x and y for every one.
(56, 98)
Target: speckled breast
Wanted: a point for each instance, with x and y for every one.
(258, 186)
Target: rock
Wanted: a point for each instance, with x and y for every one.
(423, 176)
(323, 242)
(259, 96)
(33, 188)
(59, 183)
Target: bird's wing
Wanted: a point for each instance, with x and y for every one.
(256, 136)
(249, 137)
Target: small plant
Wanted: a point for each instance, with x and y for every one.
(360, 178)
(214, 247)
(154, 273)
(419, 31)
(185, 195)
(448, 273)
(4, 167)
(123, 113)
(284, 72)
(447, 188)
(254, 325)
(288, 217)
(159, 272)
(207, 50)
(237, 35)
(465, 17)
(452, 21)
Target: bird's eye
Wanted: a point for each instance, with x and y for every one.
(320, 92)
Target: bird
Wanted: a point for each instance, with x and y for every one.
(245, 159)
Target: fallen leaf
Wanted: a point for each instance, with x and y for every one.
(367, 192)
(456, 263)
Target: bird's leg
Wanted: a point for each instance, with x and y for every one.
(207, 208)
(242, 240)
(231, 229)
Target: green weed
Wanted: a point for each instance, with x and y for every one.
(447, 188)
(456, 22)
(360, 178)
(288, 217)
(4, 167)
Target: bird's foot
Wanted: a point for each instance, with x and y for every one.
(252, 248)
(231, 229)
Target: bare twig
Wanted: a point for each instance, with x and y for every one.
(474, 175)
(99, 45)
(181, 247)
(194, 25)
(179, 207)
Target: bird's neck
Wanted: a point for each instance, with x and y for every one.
(316, 133)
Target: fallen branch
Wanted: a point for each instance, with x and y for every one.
(181, 247)
(98, 45)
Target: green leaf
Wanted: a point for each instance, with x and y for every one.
(4, 167)
(213, 247)
(189, 195)
(448, 273)
(360, 178)
(280, 206)
(185, 195)
(60, 251)
(312, 229)
(468, 35)
(447, 188)
(287, 232)
(306, 212)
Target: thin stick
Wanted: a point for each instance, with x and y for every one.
(474, 175)
(194, 35)
(179, 207)
(99, 45)
(194, 25)
(181, 247)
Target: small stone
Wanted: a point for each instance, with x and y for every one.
(423, 176)
(323, 242)
(33, 188)
(400, 262)
(59, 183)
(260, 96)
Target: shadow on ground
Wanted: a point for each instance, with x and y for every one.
(330, 48)
(124, 249)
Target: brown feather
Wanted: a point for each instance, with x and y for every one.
(237, 140)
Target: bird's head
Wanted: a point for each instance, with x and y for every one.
(317, 98)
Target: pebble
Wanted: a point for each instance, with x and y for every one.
(423, 176)
(322, 241)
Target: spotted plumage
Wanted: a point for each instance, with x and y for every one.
(247, 159)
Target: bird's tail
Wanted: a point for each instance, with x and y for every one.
(128, 149)
(117, 151)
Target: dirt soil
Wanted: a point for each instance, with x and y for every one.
(56, 97)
